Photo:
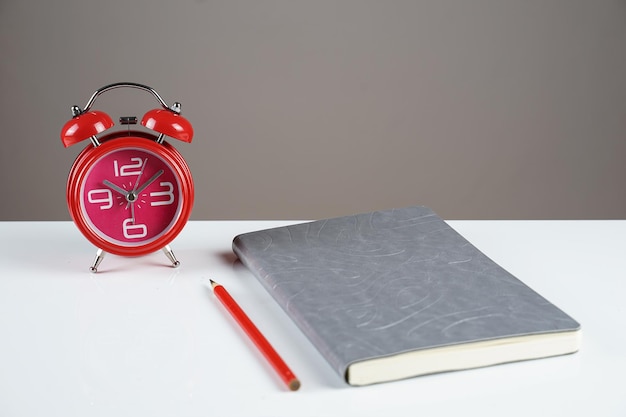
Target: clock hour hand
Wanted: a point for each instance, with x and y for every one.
(150, 181)
(115, 188)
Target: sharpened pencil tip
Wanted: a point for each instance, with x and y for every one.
(213, 283)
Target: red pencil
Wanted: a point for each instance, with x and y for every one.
(259, 340)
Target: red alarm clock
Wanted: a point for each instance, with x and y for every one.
(129, 192)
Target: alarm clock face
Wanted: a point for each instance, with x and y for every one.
(130, 196)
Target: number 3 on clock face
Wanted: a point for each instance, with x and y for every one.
(130, 196)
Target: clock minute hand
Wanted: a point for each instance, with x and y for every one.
(150, 181)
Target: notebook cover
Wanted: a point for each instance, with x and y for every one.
(377, 284)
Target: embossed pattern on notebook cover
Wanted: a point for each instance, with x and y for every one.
(380, 283)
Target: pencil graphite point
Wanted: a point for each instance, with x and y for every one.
(213, 283)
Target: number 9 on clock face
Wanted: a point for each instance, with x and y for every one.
(130, 197)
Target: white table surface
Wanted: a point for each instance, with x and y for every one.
(140, 338)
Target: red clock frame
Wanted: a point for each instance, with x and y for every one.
(119, 141)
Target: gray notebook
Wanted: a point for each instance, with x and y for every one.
(394, 294)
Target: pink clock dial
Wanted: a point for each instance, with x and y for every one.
(130, 197)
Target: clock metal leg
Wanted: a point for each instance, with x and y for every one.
(99, 256)
(170, 255)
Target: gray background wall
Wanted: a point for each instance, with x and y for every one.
(306, 109)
